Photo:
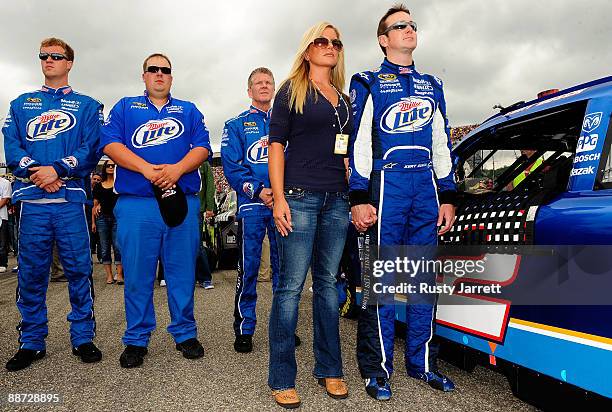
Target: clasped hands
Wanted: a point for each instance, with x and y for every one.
(365, 216)
(46, 178)
(163, 176)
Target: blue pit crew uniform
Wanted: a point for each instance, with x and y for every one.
(58, 128)
(244, 151)
(158, 136)
(400, 162)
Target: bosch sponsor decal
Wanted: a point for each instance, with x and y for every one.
(49, 124)
(591, 122)
(25, 162)
(258, 151)
(587, 157)
(387, 77)
(156, 132)
(587, 143)
(583, 171)
(248, 189)
(408, 115)
(70, 161)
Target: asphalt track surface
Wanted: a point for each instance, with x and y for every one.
(222, 379)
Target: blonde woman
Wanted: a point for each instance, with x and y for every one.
(311, 119)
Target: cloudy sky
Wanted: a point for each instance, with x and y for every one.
(487, 52)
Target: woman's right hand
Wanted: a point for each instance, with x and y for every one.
(93, 227)
(282, 216)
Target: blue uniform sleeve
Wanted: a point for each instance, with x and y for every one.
(360, 140)
(17, 158)
(441, 150)
(232, 156)
(81, 162)
(114, 127)
(200, 136)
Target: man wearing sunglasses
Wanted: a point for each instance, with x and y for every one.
(401, 190)
(51, 138)
(157, 140)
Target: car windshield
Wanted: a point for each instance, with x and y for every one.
(510, 155)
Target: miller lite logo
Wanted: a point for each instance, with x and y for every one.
(258, 151)
(408, 115)
(156, 132)
(49, 124)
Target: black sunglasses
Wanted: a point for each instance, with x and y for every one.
(111, 165)
(54, 56)
(155, 69)
(324, 42)
(401, 25)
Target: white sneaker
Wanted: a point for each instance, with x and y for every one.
(2, 269)
(162, 283)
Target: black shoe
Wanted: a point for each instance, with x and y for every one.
(243, 343)
(132, 356)
(298, 341)
(191, 348)
(88, 352)
(24, 358)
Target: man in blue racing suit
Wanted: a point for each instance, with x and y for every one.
(157, 142)
(401, 189)
(244, 152)
(50, 139)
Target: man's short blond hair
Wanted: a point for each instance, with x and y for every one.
(262, 70)
(54, 41)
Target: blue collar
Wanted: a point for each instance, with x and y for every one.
(169, 102)
(255, 110)
(394, 68)
(61, 90)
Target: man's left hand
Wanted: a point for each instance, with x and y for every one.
(43, 175)
(168, 175)
(446, 215)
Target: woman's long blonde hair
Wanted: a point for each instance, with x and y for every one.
(299, 81)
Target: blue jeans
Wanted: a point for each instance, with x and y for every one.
(107, 230)
(203, 272)
(320, 221)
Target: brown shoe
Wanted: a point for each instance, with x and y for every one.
(335, 387)
(288, 398)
